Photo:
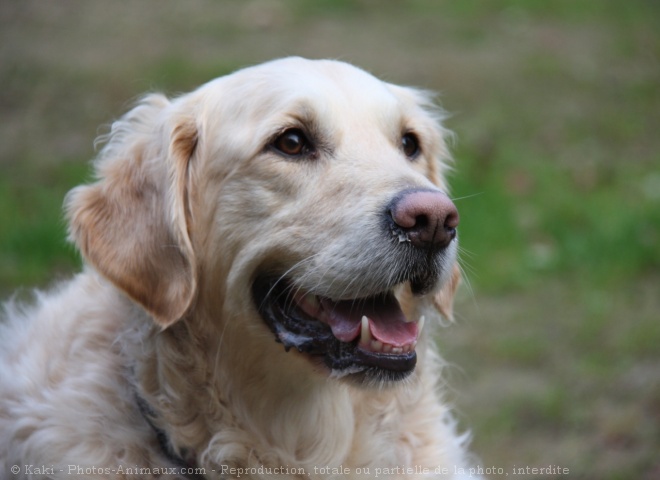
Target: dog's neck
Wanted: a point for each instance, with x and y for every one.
(230, 405)
(190, 378)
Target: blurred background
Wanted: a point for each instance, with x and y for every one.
(554, 358)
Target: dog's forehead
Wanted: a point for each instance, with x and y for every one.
(275, 87)
(319, 76)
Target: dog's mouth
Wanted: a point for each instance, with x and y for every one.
(368, 338)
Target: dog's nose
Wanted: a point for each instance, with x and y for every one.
(427, 218)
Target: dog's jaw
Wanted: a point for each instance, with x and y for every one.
(366, 340)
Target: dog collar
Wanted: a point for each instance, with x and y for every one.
(186, 460)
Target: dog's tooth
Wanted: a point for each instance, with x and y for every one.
(376, 346)
(365, 333)
(309, 303)
(397, 350)
(312, 300)
(420, 324)
(312, 304)
(387, 348)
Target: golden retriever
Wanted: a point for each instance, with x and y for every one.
(261, 256)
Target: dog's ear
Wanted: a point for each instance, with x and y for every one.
(444, 299)
(132, 225)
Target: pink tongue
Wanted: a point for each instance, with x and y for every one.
(397, 334)
(386, 320)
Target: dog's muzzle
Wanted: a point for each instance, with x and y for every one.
(368, 337)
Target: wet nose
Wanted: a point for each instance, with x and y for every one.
(427, 218)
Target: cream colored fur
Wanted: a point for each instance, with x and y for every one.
(189, 206)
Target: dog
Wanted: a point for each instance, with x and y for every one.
(264, 260)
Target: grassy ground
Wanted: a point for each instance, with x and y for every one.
(556, 352)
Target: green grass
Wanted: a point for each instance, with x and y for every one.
(540, 219)
(33, 242)
(556, 107)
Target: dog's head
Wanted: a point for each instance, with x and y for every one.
(303, 199)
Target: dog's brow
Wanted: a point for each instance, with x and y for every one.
(304, 115)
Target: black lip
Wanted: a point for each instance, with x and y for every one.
(293, 330)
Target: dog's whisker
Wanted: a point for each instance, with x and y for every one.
(464, 197)
(283, 276)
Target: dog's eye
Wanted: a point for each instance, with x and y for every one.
(410, 145)
(292, 142)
